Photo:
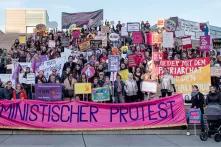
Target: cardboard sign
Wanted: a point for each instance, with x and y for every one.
(48, 92)
(51, 43)
(148, 86)
(101, 94)
(168, 40)
(84, 45)
(205, 42)
(22, 39)
(105, 29)
(135, 59)
(194, 116)
(137, 37)
(113, 63)
(82, 88)
(96, 44)
(133, 27)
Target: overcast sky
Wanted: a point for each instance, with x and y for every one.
(124, 10)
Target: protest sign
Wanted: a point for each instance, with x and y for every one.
(89, 71)
(170, 25)
(124, 32)
(194, 116)
(135, 59)
(133, 27)
(137, 37)
(76, 34)
(124, 74)
(105, 29)
(101, 94)
(82, 88)
(30, 78)
(113, 63)
(48, 92)
(216, 43)
(37, 62)
(216, 71)
(84, 45)
(67, 52)
(114, 37)
(180, 33)
(65, 42)
(186, 42)
(205, 42)
(156, 38)
(103, 39)
(51, 43)
(96, 44)
(149, 86)
(22, 39)
(113, 76)
(49, 65)
(168, 40)
(160, 23)
(83, 116)
(5, 77)
(189, 27)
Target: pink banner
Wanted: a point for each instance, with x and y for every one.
(137, 37)
(73, 116)
(205, 42)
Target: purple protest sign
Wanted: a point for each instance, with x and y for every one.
(48, 92)
(38, 61)
(205, 42)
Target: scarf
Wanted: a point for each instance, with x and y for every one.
(193, 94)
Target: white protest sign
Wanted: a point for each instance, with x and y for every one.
(180, 33)
(124, 32)
(186, 41)
(49, 65)
(51, 43)
(114, 37)
(30, 78)
(5, 77)
(24, 65)
(133, 27)
(103, 38)
(67, 52)
(21, 78)
(148, 86)
(168, 40)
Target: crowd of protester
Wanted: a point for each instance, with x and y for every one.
(121, 91)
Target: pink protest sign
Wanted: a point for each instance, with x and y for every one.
(205, 42)
(76, 34)
(137, 37)
(74, 116)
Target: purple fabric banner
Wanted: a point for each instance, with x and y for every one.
(92, 19)
(48, 92)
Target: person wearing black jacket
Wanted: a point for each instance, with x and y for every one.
(213, 97)
(197, 99)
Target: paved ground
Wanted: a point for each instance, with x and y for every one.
(104, 141)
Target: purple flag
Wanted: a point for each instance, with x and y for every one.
(91, 19)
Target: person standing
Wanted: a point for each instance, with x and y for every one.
(197, 100)
(69, 86)
(119, 90)
(167, 84)
(131, 89)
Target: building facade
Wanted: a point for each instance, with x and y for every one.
(24, 20)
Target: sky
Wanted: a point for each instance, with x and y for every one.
(124, 10)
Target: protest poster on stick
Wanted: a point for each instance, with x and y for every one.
(48, 92)
(194, 116)
(113, 63)
(205, 43)
(137, 37)
(186, 42)
(101, 94)
(30, 78)
(168, 40)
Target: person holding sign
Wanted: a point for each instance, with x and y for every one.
(167, 84)
(131, 89)
(197, 99)
(119, 90)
